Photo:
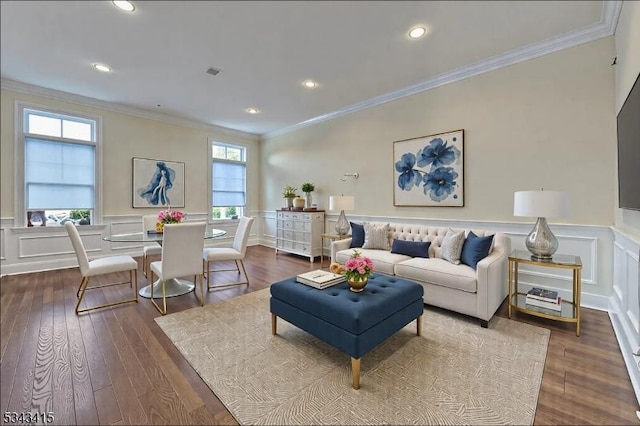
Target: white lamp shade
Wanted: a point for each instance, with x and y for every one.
(341, 202)
(541, 204)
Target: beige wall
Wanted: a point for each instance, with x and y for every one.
(124, 137)
(546, 122)
(627, 40)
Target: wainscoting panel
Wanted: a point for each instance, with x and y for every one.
(36, 246)
(268, 220)
(624, 308)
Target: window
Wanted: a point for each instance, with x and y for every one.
(228, 180)
(59, 156)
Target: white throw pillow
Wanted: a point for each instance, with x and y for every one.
(376, 237)
(451, 247)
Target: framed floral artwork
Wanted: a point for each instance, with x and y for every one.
(429, 170)
(157, 183)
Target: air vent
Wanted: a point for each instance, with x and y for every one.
(213, 71)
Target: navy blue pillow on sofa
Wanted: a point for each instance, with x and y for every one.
(475, 249)
(357, 235)
(411, 248)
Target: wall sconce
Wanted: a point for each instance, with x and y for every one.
(347, 175)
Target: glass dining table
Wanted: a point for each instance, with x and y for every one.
(175, 286)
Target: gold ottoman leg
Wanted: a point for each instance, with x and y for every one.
(419, 325)
(274, 321)
(355, 371)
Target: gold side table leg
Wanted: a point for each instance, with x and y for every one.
(577, 296)
(355, 371)
(510, 286)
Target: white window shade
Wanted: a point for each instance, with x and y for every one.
(59, 175)
(228, 183)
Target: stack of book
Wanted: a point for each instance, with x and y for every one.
(320, 279)
(543, 298)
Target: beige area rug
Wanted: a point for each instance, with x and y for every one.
(455, 373)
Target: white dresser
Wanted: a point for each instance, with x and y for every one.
(300, 232)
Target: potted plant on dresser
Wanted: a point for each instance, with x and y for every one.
(308, 188)
(289, 193)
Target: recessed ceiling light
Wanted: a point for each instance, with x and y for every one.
(102, 67)
(252, 110)
(310, 84)
(417, 32)
(127, 6)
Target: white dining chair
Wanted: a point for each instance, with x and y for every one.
(235, 253)
(101, 266)
(149, 224)
(182, 245)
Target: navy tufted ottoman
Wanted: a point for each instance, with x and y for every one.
(355, 323)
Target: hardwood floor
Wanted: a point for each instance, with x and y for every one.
(115, 366)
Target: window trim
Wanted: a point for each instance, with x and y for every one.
(245, 149)
(20, 211)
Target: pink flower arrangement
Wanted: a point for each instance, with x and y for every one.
(169, 216)
(358, 267)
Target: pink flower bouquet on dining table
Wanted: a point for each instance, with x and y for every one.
(169, 216)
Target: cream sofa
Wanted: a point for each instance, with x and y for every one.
(460, 288)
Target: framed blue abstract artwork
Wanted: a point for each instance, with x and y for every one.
(158, 183)
(428, 170)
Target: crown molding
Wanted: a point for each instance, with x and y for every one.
(604, 28)
(57, 95)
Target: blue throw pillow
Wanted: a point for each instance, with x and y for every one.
(475, 249)
(357, 235)
(411, 248)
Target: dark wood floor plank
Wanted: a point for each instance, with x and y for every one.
(166, 401)
(8, 310)
(164, 407)
(130, 407)
(107, 406)
(22, 387)
(96, 366)
(202, 416)
(63, 397)
(15, 339)
(83, 394)
(128, 356)
(42, 397)
(164, 375)
(584, 380)
(144, 334)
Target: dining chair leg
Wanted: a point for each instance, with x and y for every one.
(208, 275)
(244, 271)
(84, 286)
(134, 273)
(162, 310)
(144, 265)
(79, 287)
(164, 297)
(81, 290)
(200, 278)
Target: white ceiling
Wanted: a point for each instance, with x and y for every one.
(358, 51)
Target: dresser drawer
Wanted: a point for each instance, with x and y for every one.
(301, 226)
(301, 247)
